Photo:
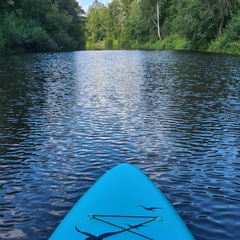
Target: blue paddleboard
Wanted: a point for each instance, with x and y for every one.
(122, 204)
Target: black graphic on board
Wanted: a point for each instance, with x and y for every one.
(100, 237)
(150, 208)
(142, 222)
(134, 226)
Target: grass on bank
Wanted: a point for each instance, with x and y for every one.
(219, 45)
(105, 44)
(223, 45)
(170, 42)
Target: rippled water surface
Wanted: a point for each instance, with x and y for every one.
(66, 118)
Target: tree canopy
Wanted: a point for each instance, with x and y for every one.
(56, 25)
(41, 25)
(203, 24)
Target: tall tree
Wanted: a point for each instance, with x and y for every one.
(196, 21)
(225, 8)
(157, 21)
(97, 22)
(134, 24)
(115, 19)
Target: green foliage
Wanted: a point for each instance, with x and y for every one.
(97, 23)
(115, 20)
(12, 31)
(134, 24)
(197, 23)
(173, 41)
(183, 24)
(20, 35)
(232, 30)
(229, 41)
(57, 25)
(50, 25)
(170, 42)
(221, 44)
(41, 25)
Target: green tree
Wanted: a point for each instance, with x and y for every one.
(115, 19)
(197, 22)
(76, 28)
(153, 14)
(19, 34)
(145, 21)
(229, 40)
(134, 24)
(97, 22)
(225, 9)
(41, 25)
(125, 7)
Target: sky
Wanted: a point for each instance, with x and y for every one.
(86, 3)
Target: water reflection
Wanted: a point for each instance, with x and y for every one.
(66, 118)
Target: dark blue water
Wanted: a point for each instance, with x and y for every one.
(66, 118)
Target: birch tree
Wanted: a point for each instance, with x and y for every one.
(157, 22)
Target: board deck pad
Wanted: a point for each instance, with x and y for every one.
(122, 204)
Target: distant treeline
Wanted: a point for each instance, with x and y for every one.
(41, 25)
(59, 25)
(194, 24)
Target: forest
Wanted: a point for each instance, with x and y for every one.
(41, 26)
(62, 25)
(209, 25)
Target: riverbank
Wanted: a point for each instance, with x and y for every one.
(172, 42)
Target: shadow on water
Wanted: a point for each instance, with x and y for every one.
(66, 118)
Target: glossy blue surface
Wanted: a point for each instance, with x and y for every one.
(122, 204)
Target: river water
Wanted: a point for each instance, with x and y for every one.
(67, 118)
